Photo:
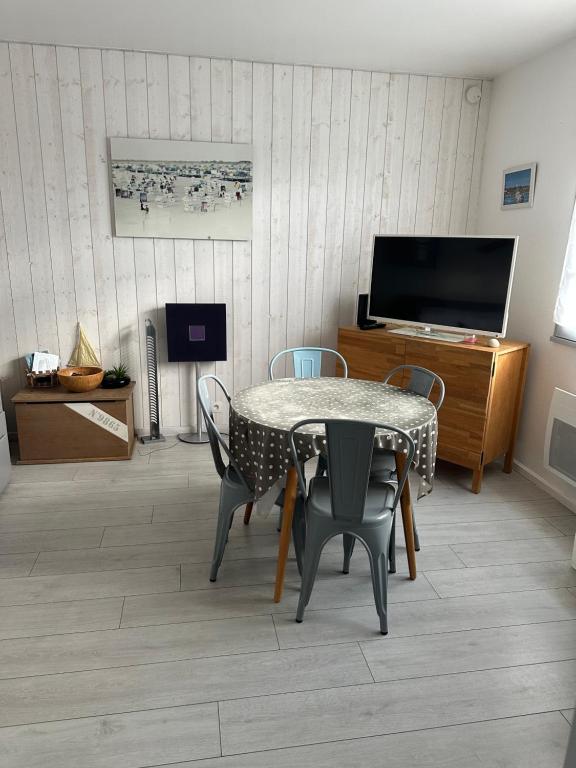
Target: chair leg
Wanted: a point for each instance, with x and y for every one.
(321, 466)
(349, 542)
(312, 554)
(299, 532)
(228, 505)
(248, 512)
(378, 542)
(392, 547)
(416, 538)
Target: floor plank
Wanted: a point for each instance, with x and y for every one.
(109, 500)
(56, 618)
(85, 586)
(566, 524)
(13, 543)
(149, 555)
(70, 519)
(233, 602)
(532, 741)
(510, 552)
(12, 566)
(503, 578)
(80, 651)
(323, 627)
(153, 686)
(485, 511)
(476, 649)
(132, 740)
(504, 530)
(271, 722)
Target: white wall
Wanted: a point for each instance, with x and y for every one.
(533, 118)
(338, 156)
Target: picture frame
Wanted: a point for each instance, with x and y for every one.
(195, 190)
(518, 185)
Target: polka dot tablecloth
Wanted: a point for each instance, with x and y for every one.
(262, 416)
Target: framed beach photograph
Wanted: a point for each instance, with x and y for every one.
(181, 189)
(518, 186)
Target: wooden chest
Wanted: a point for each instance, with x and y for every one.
(484, 387)
(55, 425)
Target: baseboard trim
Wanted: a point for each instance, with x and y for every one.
(545, 485)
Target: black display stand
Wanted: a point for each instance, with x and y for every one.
(196, 333)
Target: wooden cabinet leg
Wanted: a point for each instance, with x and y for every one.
(508, 461)
(285, 531)
(407, 519)
(477, 479)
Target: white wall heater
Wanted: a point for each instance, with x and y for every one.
(560, 444)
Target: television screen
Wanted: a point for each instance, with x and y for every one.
(447, 282)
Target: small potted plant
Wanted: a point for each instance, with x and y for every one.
(116, 377)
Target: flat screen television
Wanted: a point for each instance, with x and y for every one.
(445, 282)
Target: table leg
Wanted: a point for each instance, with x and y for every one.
(407, 520)
(285, 531)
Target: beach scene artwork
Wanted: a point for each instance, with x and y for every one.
(181, 189)
(518, 186)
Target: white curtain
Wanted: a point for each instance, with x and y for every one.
(565, 312)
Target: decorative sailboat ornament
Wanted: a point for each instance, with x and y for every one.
(83, 353)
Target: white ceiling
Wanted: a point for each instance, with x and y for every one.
(451, 37)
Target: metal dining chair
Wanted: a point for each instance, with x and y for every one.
(234, 490)
(307, 364)
(348, 502)
(421, 382)
(306, 361)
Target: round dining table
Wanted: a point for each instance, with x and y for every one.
(262, 416)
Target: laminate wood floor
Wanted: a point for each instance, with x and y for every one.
(117, 652)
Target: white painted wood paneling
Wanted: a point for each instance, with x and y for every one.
(464, 161)
(73, 134)
(31, 169)
(355, 179)
(280, 206)
(98, 193)
(375, 154)
(299, 188)
(18, 259)
(335, 204)
(339, 156)
(447, 156)
(262, 156)
(50, 124)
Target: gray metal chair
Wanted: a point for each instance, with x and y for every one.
(307, 364)
(347, 502)
(421, 383)
(234, 490)
(307, 361)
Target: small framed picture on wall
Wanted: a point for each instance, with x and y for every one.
(518, 186)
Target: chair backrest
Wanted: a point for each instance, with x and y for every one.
(349, 447)
(307, 361)
(421, 381)
(217, 442)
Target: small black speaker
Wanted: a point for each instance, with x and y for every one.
(362, 315)
(196, 332)
(362, 312)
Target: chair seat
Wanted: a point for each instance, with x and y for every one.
(379, 501)
(383, 467)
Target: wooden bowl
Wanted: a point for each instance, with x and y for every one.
(81, 379)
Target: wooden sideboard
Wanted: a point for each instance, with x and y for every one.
(484, 387)
(55, 425)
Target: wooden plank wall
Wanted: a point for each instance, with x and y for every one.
(339, 155)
